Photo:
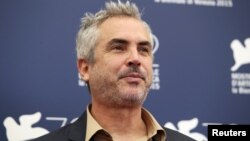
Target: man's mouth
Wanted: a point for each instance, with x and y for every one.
(134, 75)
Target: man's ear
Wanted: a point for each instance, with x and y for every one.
(83, 69)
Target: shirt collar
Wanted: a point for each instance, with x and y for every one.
(92, 125)
(153, 127)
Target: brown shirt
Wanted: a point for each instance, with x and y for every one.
(95, 132)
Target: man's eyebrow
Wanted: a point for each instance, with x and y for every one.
(145, 43)
(117, 40)
(123, 41)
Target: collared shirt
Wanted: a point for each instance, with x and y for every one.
(95, 132)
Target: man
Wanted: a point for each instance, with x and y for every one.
(114, 51)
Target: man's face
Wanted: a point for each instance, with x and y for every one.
(121, 74)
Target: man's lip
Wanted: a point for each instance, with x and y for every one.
(134, 75)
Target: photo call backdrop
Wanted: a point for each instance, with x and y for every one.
(201, 66)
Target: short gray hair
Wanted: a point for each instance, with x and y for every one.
(88, 34)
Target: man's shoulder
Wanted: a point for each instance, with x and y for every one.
(173, 135)
(59, 134)
(74, 131)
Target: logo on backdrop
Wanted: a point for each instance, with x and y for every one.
(24, 130)
(240, 81)
(185, 127)
(156, 69)
(211, 3)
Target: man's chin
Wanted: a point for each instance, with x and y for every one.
(130, 102)
(133, 97)
(132, 92)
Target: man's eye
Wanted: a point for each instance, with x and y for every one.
(118, 48)
(144, 49)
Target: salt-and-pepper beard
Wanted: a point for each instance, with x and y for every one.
(109, 92)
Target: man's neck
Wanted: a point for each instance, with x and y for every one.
(120, 122)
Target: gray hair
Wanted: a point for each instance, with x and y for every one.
(89, 32)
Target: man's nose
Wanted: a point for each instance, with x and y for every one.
(133, 58)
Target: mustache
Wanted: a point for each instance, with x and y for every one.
(133, 71)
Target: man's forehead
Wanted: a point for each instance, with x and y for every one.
(124, 28)
(116, 24)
